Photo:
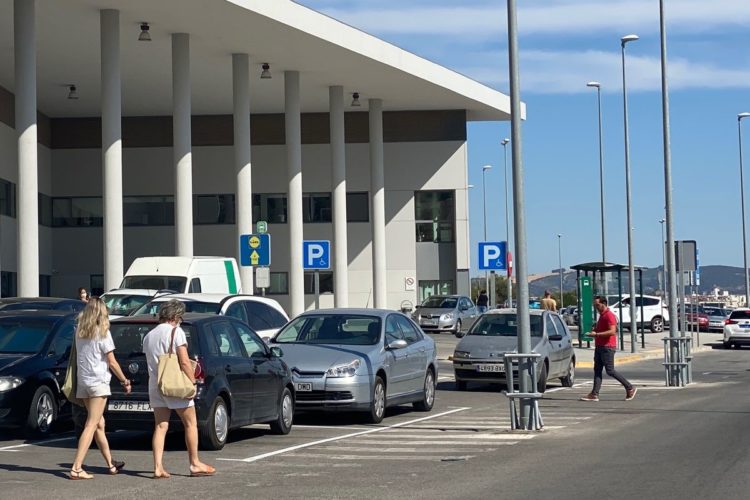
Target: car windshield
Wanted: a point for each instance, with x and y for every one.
(343, 329)
(191, 306)
(176, 283)
(128, 338)
(23, 336)
(124, 305)
(440, 303)
(504, 325)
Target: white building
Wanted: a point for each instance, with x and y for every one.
(199, 146)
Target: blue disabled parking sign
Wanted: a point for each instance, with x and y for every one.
(316, 254)
(492, 255)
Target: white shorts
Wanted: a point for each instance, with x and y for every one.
(157, 400)
(96, 391)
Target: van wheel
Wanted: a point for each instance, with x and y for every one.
(214, 435)
(283, 424)
(42, 413)
(657, 324)
(377, 405)
(570, 378)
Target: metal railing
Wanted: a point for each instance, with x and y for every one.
(680, 370)
(534, 421)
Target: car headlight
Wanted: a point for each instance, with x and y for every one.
(345, 370)
(461, 354)
(447, 316)
(9, 383)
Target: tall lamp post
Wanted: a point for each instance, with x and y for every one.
(508, 281)
(598, 87)
(631, 270)
(663, 267)
(559, 267)
(742, 196)
(484, 206)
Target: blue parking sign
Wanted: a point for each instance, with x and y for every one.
(492, 255)
(316, 254)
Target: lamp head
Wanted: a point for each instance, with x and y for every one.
(742, 115)
(629, 38)
(662, 221)
(145, 36)
(594, 84)
(505, 141)
(486, 167)
(266, 73)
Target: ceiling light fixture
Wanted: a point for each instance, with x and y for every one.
(355, 100)
(266, 73)
(72, 92)
(145, 36)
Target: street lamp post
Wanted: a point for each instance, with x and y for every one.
(508, 281)
(663, 261)
(598, 87)
(559, 267)
(631, 270)
(484, 206)
(742, 196)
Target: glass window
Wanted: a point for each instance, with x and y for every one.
(253, 345)
(279, 284)
(560, 326)
(45, 285)
(96, 285)
(7, 198)
(316, 207)
(740, 314)
(63, 340)
(325, 282)
(237, 310)
(128, 338)
(8, 284)
(23, 336)
(411, 334)
(392, 330)
(124, 305)
(226, 339)
(357, 207)
(429, 288)
(174, 283)
(341, 329)
(213, 209)
(438, 302)
(435, 216)
(45, 210)
(273, 208)
(504, 325)
(77, 212)
(550, 325)
(262, 316)
(148, 210)
(195, 285)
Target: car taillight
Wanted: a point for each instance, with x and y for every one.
(200, 371)
(730, 322)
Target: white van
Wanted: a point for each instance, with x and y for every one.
(184, 274)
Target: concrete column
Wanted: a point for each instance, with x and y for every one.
(181, 144)
(377, 192)
(294, 194)
(111, 147)
(338, 185)
(242, 157)
(24, 39)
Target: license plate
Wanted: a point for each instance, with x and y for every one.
(304, 387)
(745, 325)
(129, 406)
(428, 322)
(490, 368)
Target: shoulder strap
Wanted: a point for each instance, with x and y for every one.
(171, 341)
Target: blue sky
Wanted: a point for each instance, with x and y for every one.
(564, 44)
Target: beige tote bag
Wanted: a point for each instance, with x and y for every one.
(172, 381)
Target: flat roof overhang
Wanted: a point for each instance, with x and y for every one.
(286, 35)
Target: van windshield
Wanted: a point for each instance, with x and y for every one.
(175, 283)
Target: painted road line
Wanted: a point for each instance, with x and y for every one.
(338, 438)
(374, 457)
(472, 437)
(441, 443)
(413, 449)
(348, 427)
(37, 443)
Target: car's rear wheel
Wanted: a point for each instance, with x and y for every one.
(428, 393)
(214, 435)
(570, 378)
(283, 424)
(42, 413)
(541, 383)
(657, 324)
(377, 405)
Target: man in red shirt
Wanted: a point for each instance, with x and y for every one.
(605, 341)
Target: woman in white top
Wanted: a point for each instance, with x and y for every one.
(95, 359)
(156, 343)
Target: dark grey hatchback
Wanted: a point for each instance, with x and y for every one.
(241, 381)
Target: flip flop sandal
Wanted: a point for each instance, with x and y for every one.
(75, 475)
(116, 467)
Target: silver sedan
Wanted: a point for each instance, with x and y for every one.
(359, 360)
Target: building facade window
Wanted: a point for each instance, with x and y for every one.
(428, 288)
(148, 210)
(279, 285)
(7, 198)
(435, 216)
(326, 282)
(213, 209)
(8, 284)
(358, 207)
(45, 210)
(84, 211)
(270, 208)
(45, 286)
(316, 207)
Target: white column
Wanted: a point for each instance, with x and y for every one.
(338, 185)
(242, 158)
(294, 194)
(181, 144)
(111, 147)
(24, 35)
(377, 192)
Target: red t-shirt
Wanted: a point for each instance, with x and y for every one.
(606, 321)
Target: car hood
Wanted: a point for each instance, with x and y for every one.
(481, 346)
(9, 361)
(319, 358)
(434, 310)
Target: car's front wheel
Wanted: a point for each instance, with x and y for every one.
(428, 393)
(42, 413)
(214, 435)
(283, 424)
(541, 383)
(377, 405)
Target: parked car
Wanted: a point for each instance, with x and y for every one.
(41, 303)
(737, 328)
(479, 357)
(446, 313)
(570, 316)
(125, 301)
(359, 360)
(655, 312)
(716, 318)
(34, 351)
(264, 315)
(241, 381)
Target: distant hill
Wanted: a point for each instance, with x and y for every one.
(724, 277)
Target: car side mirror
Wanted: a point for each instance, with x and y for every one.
(555, 337)
(397, 344)
(276, 352)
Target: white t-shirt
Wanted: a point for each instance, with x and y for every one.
(93, 369)
(156, 343)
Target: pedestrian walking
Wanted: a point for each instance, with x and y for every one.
(605, 342)
(483, 301)
(156, 343)
(95, 360)
(548, 303)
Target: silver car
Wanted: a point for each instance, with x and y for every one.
(446, 313)
(479, 357)
(716, 318)
(359, 360)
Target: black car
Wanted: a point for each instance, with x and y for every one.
(241, 381)
(41, 303)
(34, 351)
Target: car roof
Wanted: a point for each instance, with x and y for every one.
(445, 297)
(16, 300)
(213, 298)
(133, 291)
(506, 310)
(34, 313)
(188, 318)
(380, 313)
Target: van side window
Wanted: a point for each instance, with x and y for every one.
(195, 285)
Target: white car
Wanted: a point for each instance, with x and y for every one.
(264, 315)
(737, 328)
(125, 301)
(655, 313)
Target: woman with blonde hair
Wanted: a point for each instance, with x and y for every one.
(95, 359)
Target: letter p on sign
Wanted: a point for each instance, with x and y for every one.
(492, 255)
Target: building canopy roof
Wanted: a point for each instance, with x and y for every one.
(604, 267)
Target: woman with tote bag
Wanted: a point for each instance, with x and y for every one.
(160, 346)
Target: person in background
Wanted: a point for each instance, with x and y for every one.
(482, 301)
(83, 294)
(548, 303)
(95, 358)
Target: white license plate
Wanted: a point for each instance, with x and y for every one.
(491, 368)
(304, 387)
(129, 406)
(428, 322)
